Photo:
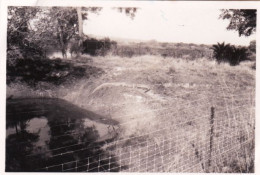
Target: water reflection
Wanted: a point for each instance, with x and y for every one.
(53, 135)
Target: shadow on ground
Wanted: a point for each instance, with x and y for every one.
(32, 71)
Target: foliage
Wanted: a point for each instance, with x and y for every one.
(18, 24)
(129, 11)
(243, 20)
(95, 47)
(220, 51)
(64, 24)
(252, 50)
(229, 53)
(35, 30)
(13, 53)
(19, 42)
(32, 31)
(67, 24)
(238, 54)
(252, 46)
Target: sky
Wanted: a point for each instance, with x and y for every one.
(165, 24)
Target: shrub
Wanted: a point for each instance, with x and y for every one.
(252, 46)
(254, 66)
(252, 50)
(252, 56)
(237, 55)
(96, 47)
(229, 53)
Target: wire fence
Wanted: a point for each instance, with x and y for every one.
(208, 134)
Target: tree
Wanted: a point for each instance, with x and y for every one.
(243, 20)
(220, 51)
(83, 15)
(45, 28)
(18, 29)
(80, 24)
(69, 24)
(18, 24)
(41, 29)
(63, 25)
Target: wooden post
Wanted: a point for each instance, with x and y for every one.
(211, 136)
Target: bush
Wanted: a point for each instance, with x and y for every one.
(252, 50)
(229, 53)
(252, 46)
(237, 55)
(96, 47)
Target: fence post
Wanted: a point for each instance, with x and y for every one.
(212, 116)
(98, 162)
(88, 165)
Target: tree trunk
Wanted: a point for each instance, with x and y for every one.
(62, 44)
(80, 24)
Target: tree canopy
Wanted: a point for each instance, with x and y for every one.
(18, 30)
(40, 29)
(241, 20)
(45, 27)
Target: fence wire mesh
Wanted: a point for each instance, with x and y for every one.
(207, 134)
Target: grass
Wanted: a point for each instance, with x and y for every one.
(163, 106)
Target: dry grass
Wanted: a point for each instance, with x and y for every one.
(163, 106)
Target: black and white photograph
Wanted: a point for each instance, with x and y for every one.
(130, 87)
